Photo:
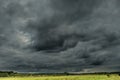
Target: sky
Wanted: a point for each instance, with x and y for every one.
(60, 35)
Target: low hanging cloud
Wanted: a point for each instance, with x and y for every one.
(59, 35)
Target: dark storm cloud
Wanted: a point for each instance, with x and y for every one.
(64, 12)
(59, 35)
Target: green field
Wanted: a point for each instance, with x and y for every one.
(77, 77)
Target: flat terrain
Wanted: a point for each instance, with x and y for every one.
(75, 77)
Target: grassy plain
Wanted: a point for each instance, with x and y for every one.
(72, 77)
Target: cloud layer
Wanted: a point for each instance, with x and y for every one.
(59, 35)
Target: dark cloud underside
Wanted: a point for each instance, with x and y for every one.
(59, 35)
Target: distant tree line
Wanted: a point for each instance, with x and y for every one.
(12, 73)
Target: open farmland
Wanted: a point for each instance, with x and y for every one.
(70, 77)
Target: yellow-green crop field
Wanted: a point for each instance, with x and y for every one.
(77, 77)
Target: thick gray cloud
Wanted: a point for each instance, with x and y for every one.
(59, 35)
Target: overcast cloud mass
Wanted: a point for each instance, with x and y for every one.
(60, 35)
